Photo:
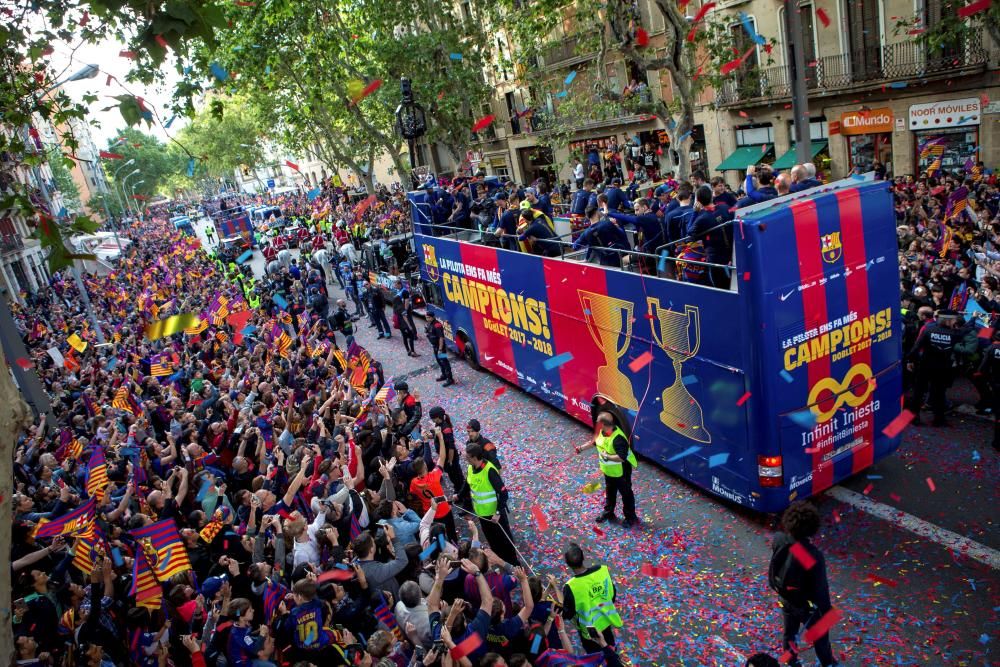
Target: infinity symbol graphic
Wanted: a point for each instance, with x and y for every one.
(841, 392)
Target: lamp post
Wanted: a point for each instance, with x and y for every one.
(115, 184)
(129, 202)
(88, 72)
(411, 123)
(138, 208)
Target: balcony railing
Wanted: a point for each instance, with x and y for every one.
(559, 52)
(874, 65)
(10, 243)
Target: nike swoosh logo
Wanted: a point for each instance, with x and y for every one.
(785, 296)
(488, 357)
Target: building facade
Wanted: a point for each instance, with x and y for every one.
(875, 94)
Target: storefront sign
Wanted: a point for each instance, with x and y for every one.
(872, 121)
(953, 113)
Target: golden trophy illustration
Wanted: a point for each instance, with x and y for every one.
(680, 411)
(607, 317)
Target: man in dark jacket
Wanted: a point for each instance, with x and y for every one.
(583, 199)
(617, 200)
(378, 311)
(762, 191)
(435, 336)
(802, 178)
(542, 237)
(798, 574)
(603, 238)
(710, 225)
(932, 359)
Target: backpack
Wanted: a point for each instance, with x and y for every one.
(785, 580)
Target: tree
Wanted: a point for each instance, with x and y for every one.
(698, 55)
(153, 159)
(63, 179)
(101, 201)
(226, 135)
(307, 67)
(944, 28)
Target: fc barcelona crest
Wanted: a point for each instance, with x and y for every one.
(832, 248)
(430, 262)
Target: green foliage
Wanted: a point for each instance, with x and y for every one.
(152, 158)
(948, 31)
(29, 33)
(63, 180)
(99, 200)
(225, 136)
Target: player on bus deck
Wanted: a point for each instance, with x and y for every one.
(603, 239)
(712, 226)
(647, 224)
(533, 228)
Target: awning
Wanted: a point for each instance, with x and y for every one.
(787, 161)
(743, 157)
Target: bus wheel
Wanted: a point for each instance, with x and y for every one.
(469, 352)
(600, 404)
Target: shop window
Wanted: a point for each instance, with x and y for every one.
(955, 146)
(818, 129)
(755, 135)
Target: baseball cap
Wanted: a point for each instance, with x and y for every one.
(474, 425)
(212, 585)
(525, 204)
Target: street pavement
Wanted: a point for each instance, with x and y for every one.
(910, 544)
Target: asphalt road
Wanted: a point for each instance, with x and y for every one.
(911, 591)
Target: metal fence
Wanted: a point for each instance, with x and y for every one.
(876, 64)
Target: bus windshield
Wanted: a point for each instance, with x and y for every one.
(771, 388)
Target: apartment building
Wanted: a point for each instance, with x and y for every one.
(875, 94)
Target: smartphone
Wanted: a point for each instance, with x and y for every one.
(592, 631)
(440, 499)
(455, 563)
(116, 557)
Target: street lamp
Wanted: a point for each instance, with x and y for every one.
(115, 184)
(410, 123)
(138, 208)
(125, 191)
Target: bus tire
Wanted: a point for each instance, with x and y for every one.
(469, 352)
(600, 404)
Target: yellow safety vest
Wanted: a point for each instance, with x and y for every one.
(606, 449)
(593, 595)
(484, 498)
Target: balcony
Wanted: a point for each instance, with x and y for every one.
(10, 243)
(891, 65)
(564, 54)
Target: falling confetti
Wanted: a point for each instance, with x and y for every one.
(705, 9)
(931, 485)
(716, 460)
(640, 362)
(897, 425)
(219, 72)
(365, 91)
(974, 8)
(656, 571)
(131, 55)
(687, 452)
(823, 17)
(569, 78)
(743, 399)
(557, 361)
(23, 363)
(455, 56)
(641, 37)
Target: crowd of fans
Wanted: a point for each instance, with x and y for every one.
(251, 489)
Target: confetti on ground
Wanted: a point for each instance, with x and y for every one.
(499, 391)
(640, 362)
(823, 625)
(656, 571)
(540, 521)
(743, 399)
(591, 487)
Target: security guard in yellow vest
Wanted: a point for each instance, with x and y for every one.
(589, 600)
(488, 495)
(616, 460)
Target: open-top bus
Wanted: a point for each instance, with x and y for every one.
(774, 389)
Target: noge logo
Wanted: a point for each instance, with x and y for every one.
(828, 394)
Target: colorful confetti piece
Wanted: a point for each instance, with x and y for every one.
(743, 399)
(557, 361)
(640, 362)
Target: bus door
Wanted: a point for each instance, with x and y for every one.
(831, 345)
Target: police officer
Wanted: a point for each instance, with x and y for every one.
(435, 336)
(486, 491)
(932, 358)
(589, 600)
(616, 460)
(990, 370)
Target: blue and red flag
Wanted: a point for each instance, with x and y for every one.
(168, 555)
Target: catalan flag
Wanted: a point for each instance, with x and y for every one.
(97, 472)
(71, 522)
(89, 545)
(145, 589)
(159, 366)
(338, 356)
(219, 309)
(934, 166)
(199, 326)
(123, 401)
(281, 340)
(933, 147)
(168, 555)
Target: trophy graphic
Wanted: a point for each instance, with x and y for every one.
(607, 317)
(680, 411)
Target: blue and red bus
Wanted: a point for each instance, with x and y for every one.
(772, 390)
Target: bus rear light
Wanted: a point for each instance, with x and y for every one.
(769, 471)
